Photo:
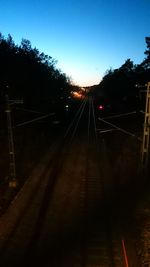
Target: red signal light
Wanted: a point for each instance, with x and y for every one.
(101, 107)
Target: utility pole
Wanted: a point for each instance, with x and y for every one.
(12, 164)
(146, 134)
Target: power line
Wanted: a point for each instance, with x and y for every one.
(30, 110)
(120, 129)
(105, 130)
(36, 119)
(120, 115)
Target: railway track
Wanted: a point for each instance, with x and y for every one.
(100, 244)
(63, 216)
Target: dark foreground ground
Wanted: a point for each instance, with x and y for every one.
(121, 152)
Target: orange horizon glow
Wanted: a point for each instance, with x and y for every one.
(78, 95)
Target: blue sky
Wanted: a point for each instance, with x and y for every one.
(86, 37)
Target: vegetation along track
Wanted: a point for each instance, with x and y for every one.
(68, 219)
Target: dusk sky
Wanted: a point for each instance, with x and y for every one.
(85, 37)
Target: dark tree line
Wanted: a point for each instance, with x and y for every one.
(122, 85)
(27, 73)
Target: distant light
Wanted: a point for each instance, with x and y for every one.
(77, 95)
(66, 107)
(101, 107)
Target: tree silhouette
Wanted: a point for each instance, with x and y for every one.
(27, 73)
(147, 52)
(121, 85)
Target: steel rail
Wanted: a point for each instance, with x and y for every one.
(81, 108)
(90, 189)
(91, 193)
(51, 182)
(93, 198)
(54, 170)
(77, 123)
(94, 119)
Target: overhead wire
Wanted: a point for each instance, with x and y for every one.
(30, 110)
(33, 120)
(120, 115)
(120, 129)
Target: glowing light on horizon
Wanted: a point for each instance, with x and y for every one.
(80, 74)
(78, 95)
(84, 44)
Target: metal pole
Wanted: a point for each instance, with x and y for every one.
(145, 144)
(125, 254)
(12, 174)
